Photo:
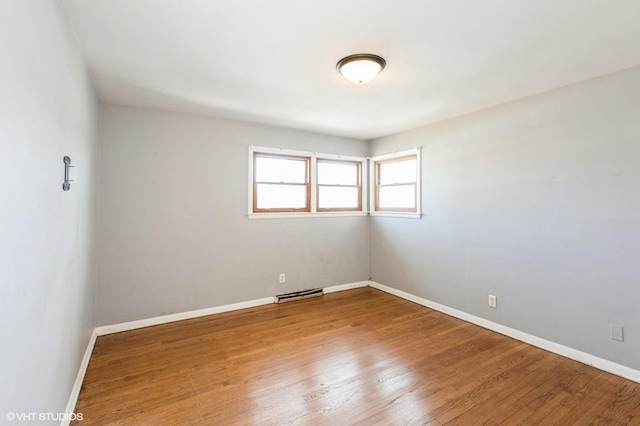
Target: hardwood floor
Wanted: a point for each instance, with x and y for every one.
(354, 357)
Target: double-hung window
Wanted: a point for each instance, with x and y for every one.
(396, 183)
(297, 182)
(339, 185)
(281, 183)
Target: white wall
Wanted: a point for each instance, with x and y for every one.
(48, 109)
(537, 202)
(174, 232)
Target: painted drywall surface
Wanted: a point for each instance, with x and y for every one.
(174, 232)
(536, 202)
(48, 109)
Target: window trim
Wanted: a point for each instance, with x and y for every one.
(313, 184)
(373, 188)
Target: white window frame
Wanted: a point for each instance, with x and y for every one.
(313, 182)
(372, 188)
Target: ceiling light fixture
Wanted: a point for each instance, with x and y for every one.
(360, 68)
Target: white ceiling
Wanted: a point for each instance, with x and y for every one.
(273, 62)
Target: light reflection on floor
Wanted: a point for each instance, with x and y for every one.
(341, 381)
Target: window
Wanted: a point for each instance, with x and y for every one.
(281, 183)
(286, 182)
(396, 186)
(339, 185)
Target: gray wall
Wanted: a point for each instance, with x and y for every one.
(48, 109)
(537, 202)
(174, 233)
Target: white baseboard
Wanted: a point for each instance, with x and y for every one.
(148, 322)
(342, 287)
(574, 354)
(75, 391)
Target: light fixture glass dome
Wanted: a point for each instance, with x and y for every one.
(360, 68)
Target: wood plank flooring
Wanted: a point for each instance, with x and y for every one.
(357, 357)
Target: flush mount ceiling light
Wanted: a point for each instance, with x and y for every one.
(360, 68)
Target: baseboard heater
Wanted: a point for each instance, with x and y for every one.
(297, 295)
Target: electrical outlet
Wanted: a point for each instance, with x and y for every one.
(282, 278)
(617, 332)
(493, 301)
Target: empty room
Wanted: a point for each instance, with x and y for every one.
(320, 212)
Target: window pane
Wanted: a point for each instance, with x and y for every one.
(290, 170)
(337, 173)
(332, 197)
(398, 172)
(401, 197)
(281, 196)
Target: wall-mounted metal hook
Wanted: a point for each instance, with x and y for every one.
(67, 165)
